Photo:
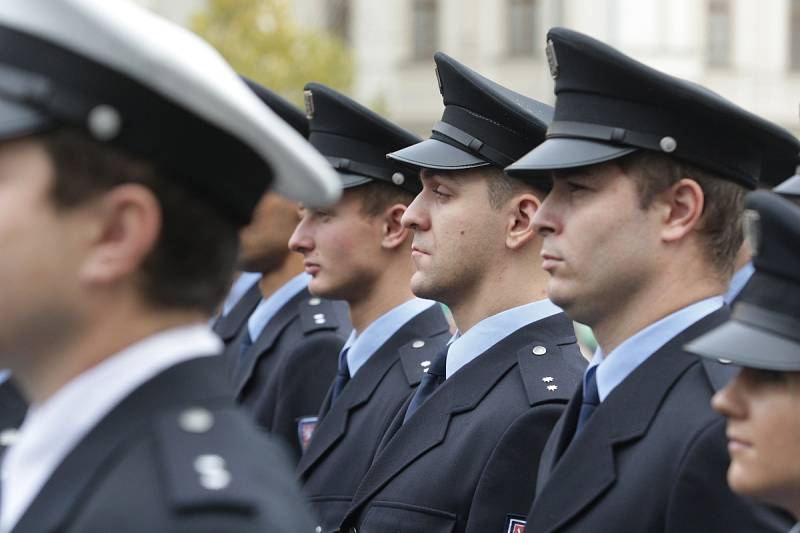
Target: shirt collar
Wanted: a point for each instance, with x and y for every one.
(267, 308)
(625, 358)
(51, 430)
(492, 330)
(361, 346)
(738, 281)
(239, 288)
(5, 374)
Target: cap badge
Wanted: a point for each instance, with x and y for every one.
(552, 60)
(308, 98)
(398, 178)
(438, 80)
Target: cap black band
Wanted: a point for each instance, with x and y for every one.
(465, 141)
(356, 167)
(597, 132)
(777, 323)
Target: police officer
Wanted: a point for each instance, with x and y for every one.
(762, 403)
(130, 155)
(641, 229)
(461, 453)
(285, 356)
(358, 250)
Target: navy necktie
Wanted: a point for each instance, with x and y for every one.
(342, 376)
(433, 378)
(591, 399)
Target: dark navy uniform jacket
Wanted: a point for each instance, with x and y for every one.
(652, 457)
(136, 471)
(466, 461)
(347, 436)
(284, 376)
(12, 406)
(228, 327)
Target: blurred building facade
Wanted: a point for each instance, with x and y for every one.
(746, 50)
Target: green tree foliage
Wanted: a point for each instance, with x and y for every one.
(261, 40)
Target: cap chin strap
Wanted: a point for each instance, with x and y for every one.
(472, 144)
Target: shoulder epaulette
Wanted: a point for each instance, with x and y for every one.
(547, 372)
(317, 314)
(203, 466)
(417, 355)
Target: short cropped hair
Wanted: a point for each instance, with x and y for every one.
(378, 196)
(194, 258)
(720, 225)
(502, 187)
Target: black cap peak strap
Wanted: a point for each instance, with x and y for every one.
(466, 141)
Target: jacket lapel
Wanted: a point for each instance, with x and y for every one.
(272, 330)
(428, 427)
(360, 389)
(197, 379)
(229, 326)
(587, 467)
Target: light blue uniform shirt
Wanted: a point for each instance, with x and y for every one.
(4, 375)
(489, 331)
(240, 286)
(738, 282)
(267, 308)
(626, 357)
(360, 347)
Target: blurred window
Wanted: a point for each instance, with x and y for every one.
(425, 29)
(718, 34)
(794, 36)
(523, 27)
(338, 14)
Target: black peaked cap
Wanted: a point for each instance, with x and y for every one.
(289, 112)
(356, 140)
(483, 122)
(764, 330)
(609, 105)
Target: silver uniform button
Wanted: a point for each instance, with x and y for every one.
(315, 301)
(668, 144)
(539, 350)
(196, 420)
(318, 529)
(104, 122)
(398, 178)
(724, 361)
(418, 344)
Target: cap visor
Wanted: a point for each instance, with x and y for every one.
(431, 153)
(352, 180)
(562, 152)
(17, 120)
(790, 187)
(748, 346)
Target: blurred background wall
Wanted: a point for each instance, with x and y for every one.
(747, 50)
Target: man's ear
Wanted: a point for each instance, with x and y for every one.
(394, 234)
(520, 229)
(681, 207)
(128, 224)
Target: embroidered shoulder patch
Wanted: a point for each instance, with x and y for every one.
(305, 430)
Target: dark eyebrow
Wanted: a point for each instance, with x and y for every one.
(435, 174)
(579, 172)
